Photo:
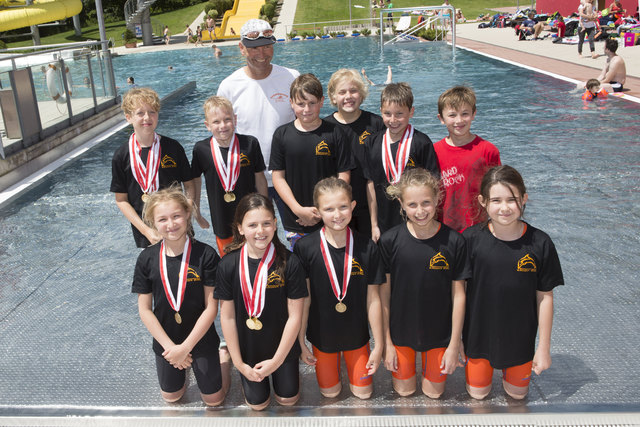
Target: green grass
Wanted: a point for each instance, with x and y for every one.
(334, 10)
(176, 20)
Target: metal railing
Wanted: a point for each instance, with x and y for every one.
(326, 27)
(133, 9)
(51, 88)
(438, 22)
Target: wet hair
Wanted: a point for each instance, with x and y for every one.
(248, 203)
(331, 184)
(305, 83)
(507, 176)
(397, 93)
(415, 177)
(457, 97)
(592, 83)
(218, 102)
(170, 194)
(135, 97)
(346, 75)
(611, 45)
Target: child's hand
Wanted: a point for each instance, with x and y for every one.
(202, 222)
(374, 360)
(265, 368)
(152, 235)
(178, 356)
(450, 360)
(375, 234)
(541, 361)
(391, 358)
(307, 356)
(249, 373)
(308, 216)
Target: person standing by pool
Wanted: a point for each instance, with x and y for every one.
(588, 18)
(259, 91)
(211, 27)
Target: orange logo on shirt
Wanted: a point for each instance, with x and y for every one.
(244, 160)
(438, 262)
(280, 97)
(364, 136)
(527, 264)
(168, 162)
(356, 269)
(411, 163)
(192, 276)
(322, 149)
(274, 281)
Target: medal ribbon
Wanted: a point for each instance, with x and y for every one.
(229, 172)
(391, 169)
(145, 175)
(328, 263)
(254, 296)
(174, 302)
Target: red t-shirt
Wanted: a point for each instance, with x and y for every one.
(562, 27)
(462, 169)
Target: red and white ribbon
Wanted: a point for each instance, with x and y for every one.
(338, 291)
(254, 295)
(229, 172)
(175, 301)
(392, 169)
(146, 175)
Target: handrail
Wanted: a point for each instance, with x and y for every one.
(422, 8)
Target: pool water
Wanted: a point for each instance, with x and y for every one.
(69, 325)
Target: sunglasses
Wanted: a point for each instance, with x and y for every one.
(253, 35)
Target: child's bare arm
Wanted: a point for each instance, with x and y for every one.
(122, 201)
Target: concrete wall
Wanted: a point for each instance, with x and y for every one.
(567, 7)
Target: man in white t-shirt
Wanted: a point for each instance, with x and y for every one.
(259, 91)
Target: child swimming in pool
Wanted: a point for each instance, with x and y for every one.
(594, 91)
(174, 280)
(347, 91)
(514, 269)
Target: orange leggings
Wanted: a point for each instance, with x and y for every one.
(431, 361)
(328, 367)
(479, 373)
(222, 243)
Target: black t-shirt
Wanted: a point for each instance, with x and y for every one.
(501, 319)
(306, 158)
(421, 274)
(358, 131)
(421, 155)
(174, 167)
(327, 329)
(202, 272)
(251, 162)
(256, 346)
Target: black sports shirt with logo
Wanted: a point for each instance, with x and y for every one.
(306, 158)
(256, 346)
(202, 272)
(501, 319)
(251, 162)
(174, 168)
(421, 273)
(421, 155)
(327, 329)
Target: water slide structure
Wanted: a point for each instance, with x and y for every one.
(235, 18)
(17, 14)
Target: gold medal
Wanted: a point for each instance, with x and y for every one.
(145, 198)
(257, 324)
(229, 196)
(178, 318)
(340, 307)
(250, 324)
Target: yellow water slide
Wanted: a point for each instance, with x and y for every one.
(16, 14)
(235, 18)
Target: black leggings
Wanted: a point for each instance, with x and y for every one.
(286, 383)
(591, 32)
(205, 368)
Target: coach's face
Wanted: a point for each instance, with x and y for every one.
(258, 58)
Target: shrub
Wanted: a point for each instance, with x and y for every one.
(268, 10)
(365, 32)
(129, 36)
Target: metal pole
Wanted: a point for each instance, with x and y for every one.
(350, 25)
(105, 49)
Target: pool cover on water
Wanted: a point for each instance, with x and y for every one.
(72, 341)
